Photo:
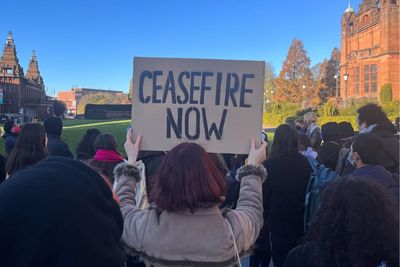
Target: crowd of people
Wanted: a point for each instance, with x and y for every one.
(187, 207)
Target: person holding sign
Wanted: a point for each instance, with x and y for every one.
(184, 226)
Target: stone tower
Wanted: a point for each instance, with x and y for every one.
(370, 49)
(21, 96)
(33, 73)
(9, 64)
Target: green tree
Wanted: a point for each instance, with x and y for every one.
(386, 94)
(59, 107)
(326, 83)
(295, 81)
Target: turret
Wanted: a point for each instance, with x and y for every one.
(33, 73)
(9, 64)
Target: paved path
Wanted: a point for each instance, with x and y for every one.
(96, 124)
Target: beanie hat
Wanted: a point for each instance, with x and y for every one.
(53, 125)
(59, 212)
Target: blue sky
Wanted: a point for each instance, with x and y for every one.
(89, 43)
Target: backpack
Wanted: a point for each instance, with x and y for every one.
(319, 178)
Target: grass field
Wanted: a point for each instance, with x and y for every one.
(75, 129)
(72, 134)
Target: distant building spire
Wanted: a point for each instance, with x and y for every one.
(33, 73)
(33, 56)
(349, 9)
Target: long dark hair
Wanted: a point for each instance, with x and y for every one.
(85, 149)
(187, 179)
(30, 148)
(285, 141)
(356, 225)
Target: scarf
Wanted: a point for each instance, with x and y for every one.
(312, 128)
(107, 155)
(368, 129)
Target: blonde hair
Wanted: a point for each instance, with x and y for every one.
(310, 117)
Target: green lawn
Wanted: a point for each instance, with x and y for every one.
(75, 129)
(72, 134)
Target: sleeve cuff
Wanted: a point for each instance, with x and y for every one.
(246, 170)
(124, 169)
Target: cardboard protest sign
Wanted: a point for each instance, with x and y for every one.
(215, 103)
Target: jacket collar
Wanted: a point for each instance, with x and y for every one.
(53, 135)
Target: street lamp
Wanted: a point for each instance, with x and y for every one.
(345, 78)
(337, 85)
(304, 96)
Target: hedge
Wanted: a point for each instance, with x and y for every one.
(273, 120)
(386, 94)
(349, 113)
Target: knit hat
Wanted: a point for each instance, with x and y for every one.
(59, 212)
(53, 125)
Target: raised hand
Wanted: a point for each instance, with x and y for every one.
(132, 149)
(257, 155)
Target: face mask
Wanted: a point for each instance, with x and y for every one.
(352, 161)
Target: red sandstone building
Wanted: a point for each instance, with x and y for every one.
(22, 94)
(72, 97)
(370, 52)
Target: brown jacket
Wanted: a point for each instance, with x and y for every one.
(202, 238)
